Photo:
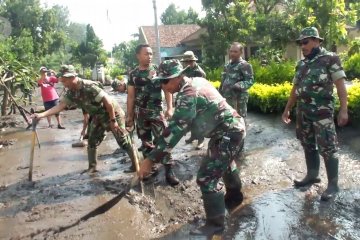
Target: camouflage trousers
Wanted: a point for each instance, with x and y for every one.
(314, 133)
(149, 126)
(239, 103)
(220, 161)
(99, 124)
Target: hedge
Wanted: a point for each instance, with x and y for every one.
(273, 98)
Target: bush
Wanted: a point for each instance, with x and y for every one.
(116, 71)
(352, 66)
(269, 98)
(354, 102)
(273, 73)
(216, 84)
(214, 74)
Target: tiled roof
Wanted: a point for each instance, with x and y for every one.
(170, 35)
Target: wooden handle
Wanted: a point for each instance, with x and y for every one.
(33, 136)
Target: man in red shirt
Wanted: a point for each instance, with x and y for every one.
(48, 93)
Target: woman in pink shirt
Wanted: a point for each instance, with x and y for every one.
(49, 94)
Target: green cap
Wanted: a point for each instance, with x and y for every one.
(170, 69)
(309, 32)
(188, 56)
(67, 71)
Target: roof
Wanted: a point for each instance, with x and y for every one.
(170, 35)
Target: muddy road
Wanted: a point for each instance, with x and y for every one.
(60, 195)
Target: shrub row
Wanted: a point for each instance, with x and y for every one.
(273, 98)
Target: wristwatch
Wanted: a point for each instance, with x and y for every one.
(113, 120)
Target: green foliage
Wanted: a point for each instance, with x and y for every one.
(124, 54)
(269, 98)
(352, 66)
(273, 72)
(354, 102)
(116, 71)
(226, 22)
(214, 74)
(354, 47)
(173, 16)
(90, 52)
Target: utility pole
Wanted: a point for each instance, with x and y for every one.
(157, 35)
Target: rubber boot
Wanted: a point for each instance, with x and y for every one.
(332, 170)
(189, 140)
(131, 151)
(200, 143)
(312, 159)
(214, 206)
(233, 196)
(92, 158)
(170, 177)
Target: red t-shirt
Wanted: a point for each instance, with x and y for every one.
(48, 91)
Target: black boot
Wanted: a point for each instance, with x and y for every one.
(214, 206)
(170, 177)
(189, 140)
(92, 158)
(200, 143)
(312, 159)
(133, 153)
(332, 170)
(233, 196)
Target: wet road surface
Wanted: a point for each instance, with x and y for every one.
(272, 208)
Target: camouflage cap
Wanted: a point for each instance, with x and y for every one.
(67, 71)
(188, 56)
(170, 69)
(309, 32)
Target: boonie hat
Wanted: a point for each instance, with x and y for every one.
(67, 71)
(170, 69)
(309, 32)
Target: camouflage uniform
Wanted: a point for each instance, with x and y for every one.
(315, 101)
(191, 72)
(195, 71)
(313, 83)
(150, 119)
(237, 78)
(200, 106)
(88, 96)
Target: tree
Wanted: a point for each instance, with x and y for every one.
(90, 52)
(172, 16)
(330, 17)
(225, 21)
(124, 54)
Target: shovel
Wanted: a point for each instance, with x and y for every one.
(33, 140)
(80, 143)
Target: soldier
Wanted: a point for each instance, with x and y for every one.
(193, 70)
(105, 112)
(313, 93)
(119, 85)
(237, 78)
(144, 100)
(200, 105)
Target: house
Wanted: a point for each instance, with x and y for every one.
(174, 39)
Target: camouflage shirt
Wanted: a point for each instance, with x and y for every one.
(195, 71)
(314, 80)
(237, 74)
(88, 96)
(199, 106)
(147, 91)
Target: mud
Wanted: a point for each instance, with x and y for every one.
(60, 195)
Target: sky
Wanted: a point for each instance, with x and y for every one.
(115, 21)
